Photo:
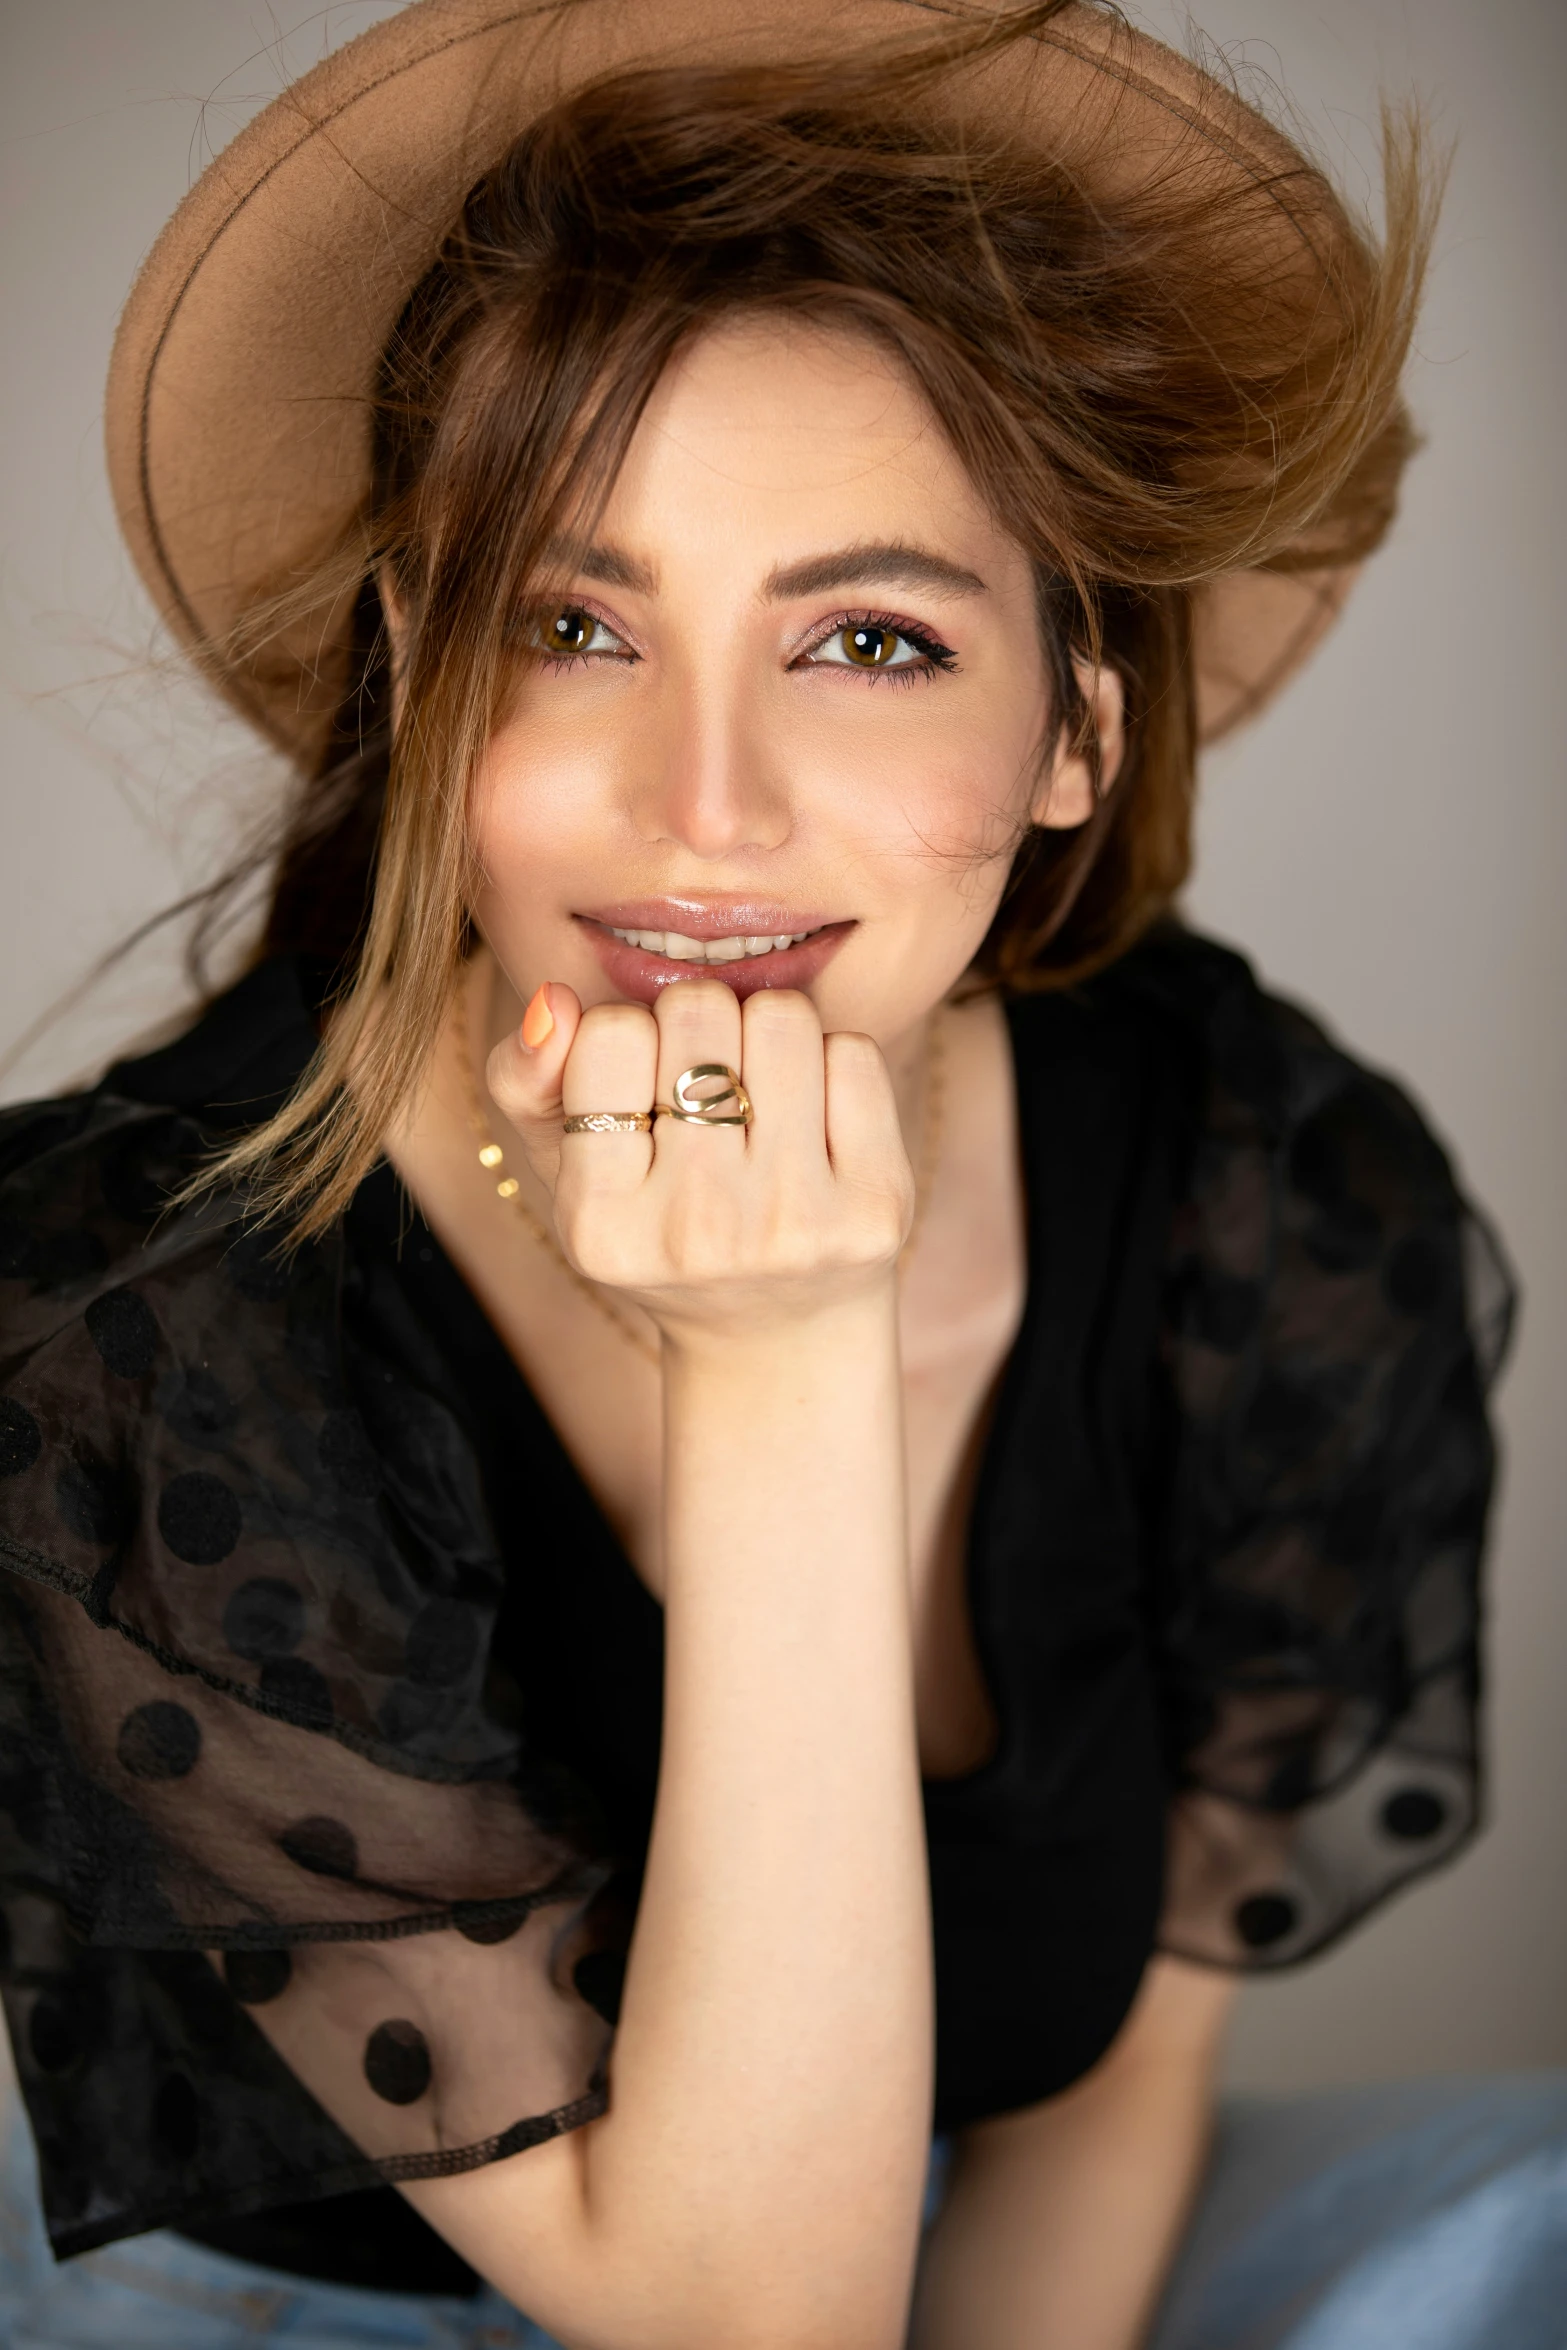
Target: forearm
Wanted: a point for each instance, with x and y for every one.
(756, 2182)
(771, 2074)
(1061, 2221)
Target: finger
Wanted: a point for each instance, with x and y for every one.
(864, 1137)
(525, 1070)
(611, 1067)
(785, 1075)
(698, 1020)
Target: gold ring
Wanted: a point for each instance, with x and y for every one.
(707, 1109)
(609, 1122)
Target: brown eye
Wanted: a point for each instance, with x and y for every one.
(869, 647)
(567, 631)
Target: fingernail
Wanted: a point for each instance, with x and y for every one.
(538, 1022)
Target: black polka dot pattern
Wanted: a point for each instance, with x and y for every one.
(475, 1926)
(298, 1690)
(94, 1500)
(397, 2062)
(408, 1713)
(325, 1847)
(348, 1456)
(159, 1741)
(1412, 1814)
(264, 1618)
(1265, 1918)
(199, 1518)
(197, 1407)
(1347, 1241)
(443, 1641)
(122, 1327)
(20, 1439)
(257, 1976)
(383, 1676)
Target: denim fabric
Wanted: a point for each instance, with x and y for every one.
(1431, 2215)
(160, 2292)
(1428, 2216)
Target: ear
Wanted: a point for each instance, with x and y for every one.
(1066, 795)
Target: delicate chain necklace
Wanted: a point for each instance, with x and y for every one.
(493, 1160)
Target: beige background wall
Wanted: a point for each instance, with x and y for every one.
(1389, 844)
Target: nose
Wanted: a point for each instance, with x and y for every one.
(707, 777)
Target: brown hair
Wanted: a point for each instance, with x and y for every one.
(1134, 385)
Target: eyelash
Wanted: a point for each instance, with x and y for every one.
(559, 663)
(935, 658)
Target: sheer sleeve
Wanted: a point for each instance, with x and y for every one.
(1336, 1314)
(270, 1816)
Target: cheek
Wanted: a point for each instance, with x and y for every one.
(531, 808)
(961, 812)
(937, 800)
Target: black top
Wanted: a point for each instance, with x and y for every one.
(317, 1655)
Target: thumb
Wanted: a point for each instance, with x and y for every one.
(524, 1074)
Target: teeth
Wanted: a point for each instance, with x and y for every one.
(677, 948)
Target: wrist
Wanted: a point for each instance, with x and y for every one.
(854, 1318)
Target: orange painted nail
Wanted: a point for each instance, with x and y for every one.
(538, 1022)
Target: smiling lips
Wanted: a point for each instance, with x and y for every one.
(746, 947)
(676, 947)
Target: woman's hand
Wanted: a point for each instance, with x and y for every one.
(724, 1228)
(757, 2178)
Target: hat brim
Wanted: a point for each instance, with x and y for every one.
(238, 404)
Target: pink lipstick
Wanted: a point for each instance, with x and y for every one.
(648, 944)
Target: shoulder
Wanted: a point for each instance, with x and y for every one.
(1248, 1077)
(86, 1179)
(1334, 1310)
(178, 1393)
(243, 1053)
(230, 1067)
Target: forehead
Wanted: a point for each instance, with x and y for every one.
(793, 435)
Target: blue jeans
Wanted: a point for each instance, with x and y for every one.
(1429, 2216)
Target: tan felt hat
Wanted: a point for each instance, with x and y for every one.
(238, 406)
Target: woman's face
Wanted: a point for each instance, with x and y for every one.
(793, 690)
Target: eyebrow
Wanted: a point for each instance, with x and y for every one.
(610, 565)
(895, 563)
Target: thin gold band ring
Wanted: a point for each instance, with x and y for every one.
(609, 1122)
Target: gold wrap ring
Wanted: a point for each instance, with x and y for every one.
(707, 1108)
(609, 1122)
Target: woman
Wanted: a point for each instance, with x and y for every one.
(627, 1579)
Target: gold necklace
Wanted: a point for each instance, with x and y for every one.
(493, 1160)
